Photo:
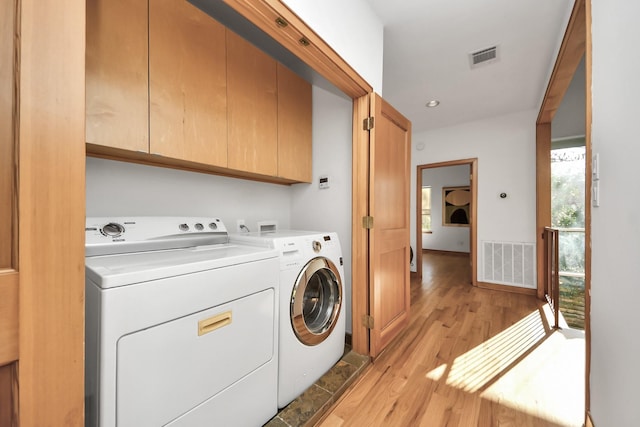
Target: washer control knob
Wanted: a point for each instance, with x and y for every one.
(213, 226)
(317, 246)
(183, 227)
(113, 229)
(199, 227)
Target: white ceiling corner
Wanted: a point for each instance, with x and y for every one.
(426, 56)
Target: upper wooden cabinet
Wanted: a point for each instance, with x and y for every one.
(294, 126)
(188, 83)
(253, 107)
(167, 84)
(117, 74)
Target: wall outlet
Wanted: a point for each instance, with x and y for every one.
(239, 225)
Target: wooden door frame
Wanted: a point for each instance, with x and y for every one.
(50, 131)
(473, 223)
(575, 44)
(569, 56)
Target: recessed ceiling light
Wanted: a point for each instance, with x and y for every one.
(433, 103)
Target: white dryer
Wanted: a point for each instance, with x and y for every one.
(312, 312)
(181, 326)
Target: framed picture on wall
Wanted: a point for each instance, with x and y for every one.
(456, 202)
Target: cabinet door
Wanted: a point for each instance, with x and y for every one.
(188, 92)
(294, 126)
(253, 108)
(117, 74)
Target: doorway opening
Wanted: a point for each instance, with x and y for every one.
(447, 211)
(568, 217)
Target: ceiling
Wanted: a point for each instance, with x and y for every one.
(426, 56)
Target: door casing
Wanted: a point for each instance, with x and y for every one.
(473, 223)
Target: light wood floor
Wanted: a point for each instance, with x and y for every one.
(470, 357)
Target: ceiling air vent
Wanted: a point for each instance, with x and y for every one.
(483, 56)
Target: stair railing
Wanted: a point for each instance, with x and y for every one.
(551, 276)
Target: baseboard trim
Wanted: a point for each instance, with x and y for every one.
(507, 288)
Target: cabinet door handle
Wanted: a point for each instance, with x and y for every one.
(212, 323)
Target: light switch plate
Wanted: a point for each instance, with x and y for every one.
(323, 182)
(595, 167)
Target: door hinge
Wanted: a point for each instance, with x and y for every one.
(367, 321)
(367, 222)
(367, 124)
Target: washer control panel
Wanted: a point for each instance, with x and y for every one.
(112, 229)
(108, 235)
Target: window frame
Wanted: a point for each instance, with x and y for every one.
(423, 209)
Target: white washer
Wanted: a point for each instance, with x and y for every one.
(312, 318)
(181, 326)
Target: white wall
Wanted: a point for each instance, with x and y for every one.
(119, 188)
(505, 148)
(329, 209)
(352, 29)
(615, 286)
(454, 239)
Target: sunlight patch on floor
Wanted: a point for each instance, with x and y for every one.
(517, 368)
(480, 365)
(550, 380)
(437, 373)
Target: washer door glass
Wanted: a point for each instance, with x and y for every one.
(316, 301)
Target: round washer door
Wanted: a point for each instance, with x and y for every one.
(315, 301)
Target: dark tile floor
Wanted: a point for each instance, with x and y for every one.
(307, 409)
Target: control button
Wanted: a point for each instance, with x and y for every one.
(183, 227)
(317, 246)
(113, 229)
(213, 226)
(199, 226)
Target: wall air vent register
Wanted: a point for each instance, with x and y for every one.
(483, 56)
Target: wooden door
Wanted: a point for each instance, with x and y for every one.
(294, 126)
(117, 76)
(188, 83)
(253, 108)
(389, 188)
(8, 209)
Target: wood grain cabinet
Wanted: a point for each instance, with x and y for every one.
(117, 74)
(253, 108)
(188, 84)
(269, 114)
(167, 84)
(294, 126)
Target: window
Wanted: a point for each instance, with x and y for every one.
(426, 209)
